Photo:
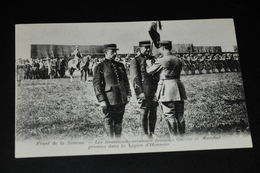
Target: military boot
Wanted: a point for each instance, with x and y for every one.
(110, 130)
(118, 131)
(172, 127)
(144, 123)
(181, 127)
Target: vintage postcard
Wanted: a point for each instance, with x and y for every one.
(128, 87)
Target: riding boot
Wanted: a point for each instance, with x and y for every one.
(118, 131)
(151, 128)
(172, 127)
(152, 117)
(144, 122)
(181, 126)
(110, 130)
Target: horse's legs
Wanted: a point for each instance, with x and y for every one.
(87, 74)
(81, 72)
(86, 77)
(71, 70)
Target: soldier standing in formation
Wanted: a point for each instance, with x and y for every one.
(145, 86)
(193, 60)
(200, 63)
(20, 71)
(170, 91)
(112, 90)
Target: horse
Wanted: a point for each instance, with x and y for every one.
(84, 66)
(73, 64)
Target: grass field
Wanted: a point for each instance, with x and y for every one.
(60, 109)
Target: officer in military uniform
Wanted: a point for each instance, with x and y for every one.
(112, 90)
(145, 86)
(170, 91)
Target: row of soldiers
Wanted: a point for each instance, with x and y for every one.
(202, 63)
(42, 68)
(211, 63)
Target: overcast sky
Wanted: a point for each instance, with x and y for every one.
(213, 32)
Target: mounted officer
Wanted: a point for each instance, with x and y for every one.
(112, 90)
(145, 86)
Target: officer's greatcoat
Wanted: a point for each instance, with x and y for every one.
(140, 79)
(110, 82)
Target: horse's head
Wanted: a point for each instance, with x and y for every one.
(76, 53)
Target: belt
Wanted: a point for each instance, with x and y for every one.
(170, 77)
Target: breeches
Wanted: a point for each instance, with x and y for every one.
(173, 110)
(113, 119)
(148, 117)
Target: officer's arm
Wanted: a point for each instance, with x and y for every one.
(154, 68)
(126, 81)
(98, 78)
(135, 77)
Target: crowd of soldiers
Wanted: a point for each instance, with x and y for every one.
(193, 63)
(210, 63)
(42, 68)
(199, 63)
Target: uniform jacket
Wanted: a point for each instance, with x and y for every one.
(142, 81)
(170, 87)
(110, 82)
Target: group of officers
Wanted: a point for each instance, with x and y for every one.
(156, 82)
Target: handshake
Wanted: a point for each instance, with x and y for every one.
(149, 62)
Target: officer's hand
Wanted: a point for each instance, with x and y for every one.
(149, 62)
(160, 120)
(141, 96)
(128, 99)
(103, 104)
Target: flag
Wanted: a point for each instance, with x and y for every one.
(155, 36)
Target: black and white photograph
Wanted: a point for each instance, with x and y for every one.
(128, 87)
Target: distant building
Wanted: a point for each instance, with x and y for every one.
(176, 48)
(189, 48)
(235, 48)
(182, 48)
(209, 49)
(50, 50)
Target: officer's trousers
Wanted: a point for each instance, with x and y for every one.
(113, 120)
(148, 117)
(173, 113)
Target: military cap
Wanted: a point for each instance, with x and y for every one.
(165, 43)
(137, 49)
(111, 46)
(144, 43)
